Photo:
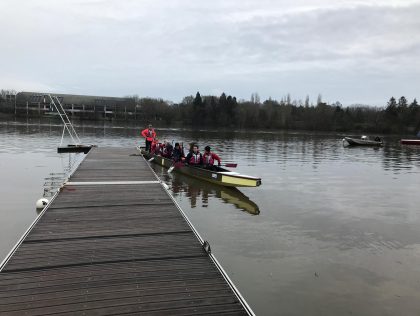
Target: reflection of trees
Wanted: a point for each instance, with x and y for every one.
(398, 158)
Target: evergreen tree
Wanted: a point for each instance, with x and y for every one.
(391, 108)
(214, 110)
(198, 109)
(222, 100)
(413, 113)
(402, 103)
(230, 109)
(198, 102)
(223, 119)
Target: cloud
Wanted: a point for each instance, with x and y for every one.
(173, 48)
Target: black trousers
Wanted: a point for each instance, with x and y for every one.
(148, 145)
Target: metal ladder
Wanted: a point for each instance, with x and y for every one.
(68, 126)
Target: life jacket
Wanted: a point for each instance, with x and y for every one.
(160, 147)
(153, 147)
(195, 159)
(149, 134)
(209, 158)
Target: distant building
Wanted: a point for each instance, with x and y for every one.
(77, 105)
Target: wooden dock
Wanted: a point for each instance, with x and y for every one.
(114, 242)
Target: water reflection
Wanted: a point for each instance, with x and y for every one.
(400, 157)
(283, 148)
(201, 191)
(349, 214)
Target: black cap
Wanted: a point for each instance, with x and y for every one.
(207, 148)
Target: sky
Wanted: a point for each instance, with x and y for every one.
(351, 51)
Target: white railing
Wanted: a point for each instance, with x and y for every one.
(68, 126)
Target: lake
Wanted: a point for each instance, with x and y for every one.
(331, 230)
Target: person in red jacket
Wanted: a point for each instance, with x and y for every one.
(149, 134)
(157, 148)
(194, 157)
(209, 158)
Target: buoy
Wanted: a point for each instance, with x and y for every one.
(41, 203)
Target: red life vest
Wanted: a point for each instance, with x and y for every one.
(159, 148)
(195, 159)
(209, 158)
(149, 134)
(156, 147)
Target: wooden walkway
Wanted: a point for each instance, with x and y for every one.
(111, 244)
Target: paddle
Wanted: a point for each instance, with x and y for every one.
(177, 164)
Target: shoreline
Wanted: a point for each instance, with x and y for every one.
(10, 119)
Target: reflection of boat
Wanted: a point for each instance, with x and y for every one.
(240, 200)
(221, 176)
(363, 141)
(410, 141)
(194, 189)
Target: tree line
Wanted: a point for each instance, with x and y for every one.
(4, 93)
(399, 116)
(225, 111)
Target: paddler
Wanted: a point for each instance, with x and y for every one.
(194, 157)
(178, 153)
(209, 158)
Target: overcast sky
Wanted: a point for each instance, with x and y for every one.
(349, 51)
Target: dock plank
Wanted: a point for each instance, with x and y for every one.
(108, 249)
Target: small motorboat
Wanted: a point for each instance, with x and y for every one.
(362, 141)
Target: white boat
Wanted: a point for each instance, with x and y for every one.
(362, 141)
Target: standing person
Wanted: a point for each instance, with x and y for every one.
(149, 134)
(194, 157)
(209, 158)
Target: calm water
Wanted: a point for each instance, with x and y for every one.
(331, 231)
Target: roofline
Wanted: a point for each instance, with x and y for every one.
(71, 95)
